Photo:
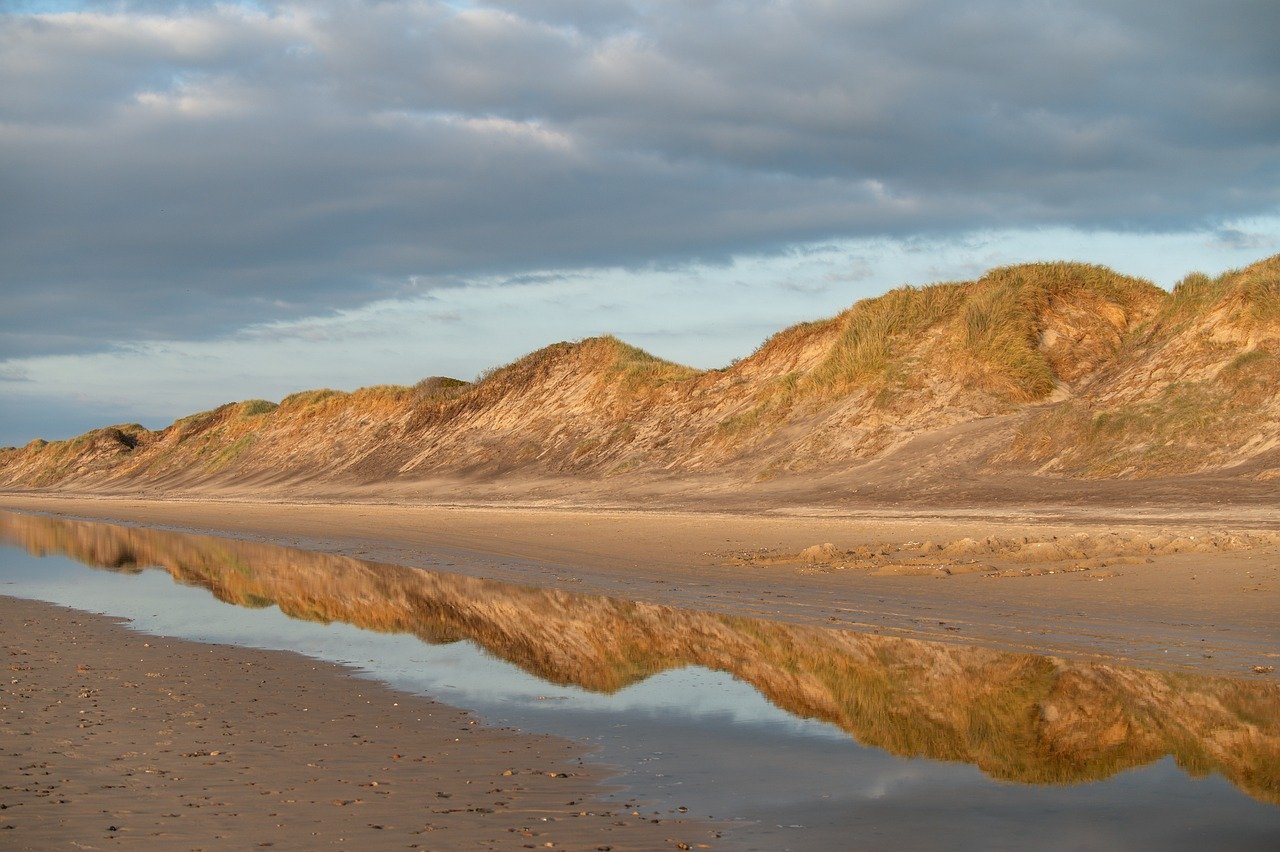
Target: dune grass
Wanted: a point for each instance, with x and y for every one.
(1252, 295)
(439, 388)
(256, 407)
(639, 369)
(634, 368)
(987, 331)
(876, 332)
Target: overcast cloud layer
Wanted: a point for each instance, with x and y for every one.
(180, 171)
(184, 172)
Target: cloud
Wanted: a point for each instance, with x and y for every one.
(1235, 238)
(14, 374)
(179, 171)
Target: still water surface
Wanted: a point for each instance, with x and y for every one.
(802, 737)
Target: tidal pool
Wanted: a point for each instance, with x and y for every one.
(797, 737)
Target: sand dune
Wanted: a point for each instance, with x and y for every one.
(1045, 381)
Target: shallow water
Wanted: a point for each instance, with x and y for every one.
(802, 737)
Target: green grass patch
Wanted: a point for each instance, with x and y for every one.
(231, 453)
(309, 397)
(439, 388)
(257, 407)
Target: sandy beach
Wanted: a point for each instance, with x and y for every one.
(115, 739)
(112, 738)
(1212, 610)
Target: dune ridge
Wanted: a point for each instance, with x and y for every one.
(1050, 372)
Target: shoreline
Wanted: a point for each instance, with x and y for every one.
(116, 737)
(1206, 612)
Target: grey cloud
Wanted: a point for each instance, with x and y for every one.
(1238, 239)
(23, 418)
(182, 173)
(13, 374)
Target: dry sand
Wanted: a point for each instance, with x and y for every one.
(115, 739)
(1209, 611)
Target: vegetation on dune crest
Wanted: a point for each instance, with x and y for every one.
(309, 397)
(615, 359)
(439, 388)
(1251, 295)
(639, 368)
(1190, 397)
(1006, 316)
(987, 332)
(256, 407)
(876, 332)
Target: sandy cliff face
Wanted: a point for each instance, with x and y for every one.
(1018, 717)
(1050, 369)
(1196, 388)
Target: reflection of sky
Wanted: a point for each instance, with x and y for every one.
(704, 740)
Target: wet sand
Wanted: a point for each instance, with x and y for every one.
(115, 739)
(1211, 612)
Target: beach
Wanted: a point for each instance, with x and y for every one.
(1208, 609)
(114, 736)
(116, 739)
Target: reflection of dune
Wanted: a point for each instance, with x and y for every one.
(1016, 716)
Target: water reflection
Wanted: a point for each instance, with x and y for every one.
(1017, 717)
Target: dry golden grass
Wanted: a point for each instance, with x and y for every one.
(638, 368)
(615, 360)
(986, 333)
(439, 388)
(877, 333)
(1251, 295)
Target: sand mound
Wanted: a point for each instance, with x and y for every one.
(1050, 554)
(821, 553)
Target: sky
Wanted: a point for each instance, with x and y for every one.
(205, 202)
